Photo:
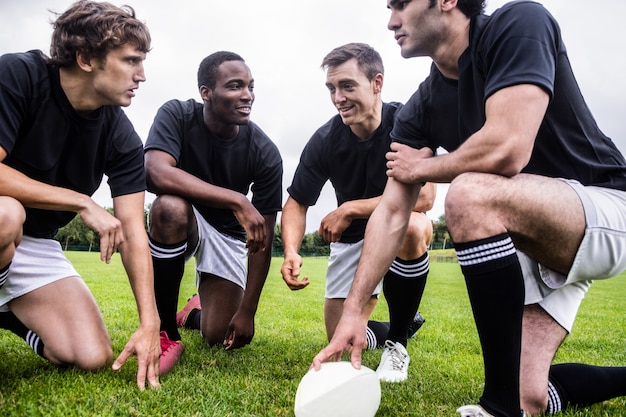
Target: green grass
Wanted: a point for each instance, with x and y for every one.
(261, 379)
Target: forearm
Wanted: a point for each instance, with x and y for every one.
(135, 254)
(292, 226)
(137, 262)
(383, 236)
(36, 194)
(258, 268)
(175, 181)
(360, 209)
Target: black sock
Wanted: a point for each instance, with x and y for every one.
(193, 319)
(376, 333)
(9, 321)
(578, 385)
(169, 265)
(496, 291)
(403, 287)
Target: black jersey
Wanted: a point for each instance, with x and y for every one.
(250, 162)
(356, 168)
(519, 43)
(47, 140)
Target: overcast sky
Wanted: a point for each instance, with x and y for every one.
(284, 41)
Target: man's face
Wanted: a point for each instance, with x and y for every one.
(116, 78)
(354, 96)
(416, 25)
(230, 102)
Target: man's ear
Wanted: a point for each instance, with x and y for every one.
(448, 5)
(378, 82)
(83, 62)
(205, 93)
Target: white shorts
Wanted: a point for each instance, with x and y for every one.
(37, 262)
(601, 254)
(219, 254)
(342, 264)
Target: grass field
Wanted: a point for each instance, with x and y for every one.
(261, 379)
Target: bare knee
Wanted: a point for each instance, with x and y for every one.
(88, 357)
(12, 217)
(417, 238)
(471, 207)
(170, 218)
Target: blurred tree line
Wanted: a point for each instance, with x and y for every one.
(77, 236)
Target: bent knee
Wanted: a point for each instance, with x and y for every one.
(213, 339)
(88, 358)
(12, 217)
(417, 238)
(170, 213)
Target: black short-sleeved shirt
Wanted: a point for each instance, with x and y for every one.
(47, 140)
(519, 43)
(355, 168)
(251, 161)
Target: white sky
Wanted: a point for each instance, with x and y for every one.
(284, 41)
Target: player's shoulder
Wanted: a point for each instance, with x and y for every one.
(31, 64)
(520, 12)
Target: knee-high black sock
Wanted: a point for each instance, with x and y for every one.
(496, 291)
(169, 265)
(9, 321)
(579, 385)
(403, 287)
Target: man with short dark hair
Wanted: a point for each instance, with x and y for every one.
(202, 159)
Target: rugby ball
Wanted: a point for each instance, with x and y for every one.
(338, 390)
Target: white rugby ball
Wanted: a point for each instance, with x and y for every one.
(338, 390)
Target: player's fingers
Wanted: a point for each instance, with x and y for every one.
(152, 375)
(121, 359)
(104, 247)
(141, 377)
(355, 358)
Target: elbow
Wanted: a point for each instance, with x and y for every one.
(510, 162)
(509, 167)
(155, 182)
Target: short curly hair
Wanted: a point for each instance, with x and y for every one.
(94, 29)
(207, 71)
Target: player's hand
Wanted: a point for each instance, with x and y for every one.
(145, 344)
(333, 225)
(108, 228)
(291, 271)
(240, 331)
(402, 162)
(254, 225)
(349, 337)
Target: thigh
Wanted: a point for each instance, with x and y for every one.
(66, 317)
(220, 299)
(544, 216)
(541, 338)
